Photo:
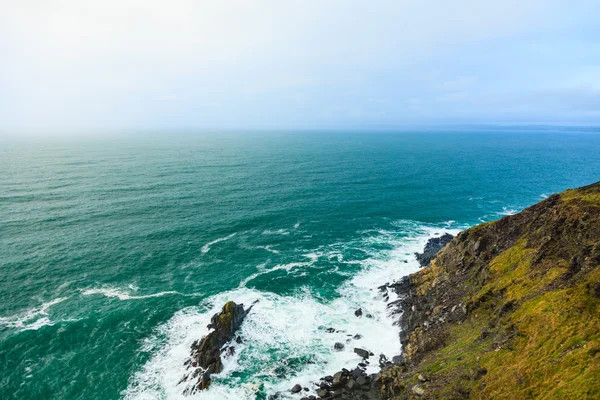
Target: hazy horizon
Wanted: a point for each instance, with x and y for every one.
(152, 65)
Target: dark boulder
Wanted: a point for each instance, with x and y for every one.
(297, 388)
(358, 312)
(362, 352)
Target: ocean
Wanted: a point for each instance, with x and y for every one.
(115, 251)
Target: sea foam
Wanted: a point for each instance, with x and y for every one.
(33, 318)
(285, 338)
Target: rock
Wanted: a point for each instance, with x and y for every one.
(369, 316)
(481, 372)
(330, 330)
(338, 346)
(322, 393)
(421, 378)
(418, 390)
(357, 336)
(484, 333)
(328, 378)
(297, 388)
(337, 379)
(362, 352)
(358, 312)
(206, 354)
(382, 360)
(433, 246)
(362, 380)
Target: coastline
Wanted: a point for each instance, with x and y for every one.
(459, 319)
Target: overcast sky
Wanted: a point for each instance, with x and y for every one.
(276, 64)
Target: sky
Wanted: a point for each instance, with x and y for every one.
(83, 66)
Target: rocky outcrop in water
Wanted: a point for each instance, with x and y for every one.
(206, 353)
(433, 246)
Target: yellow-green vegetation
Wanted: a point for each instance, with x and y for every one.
(531, 286)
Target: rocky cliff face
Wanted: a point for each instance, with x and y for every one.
(507, 310)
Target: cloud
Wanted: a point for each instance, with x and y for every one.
(268, 63)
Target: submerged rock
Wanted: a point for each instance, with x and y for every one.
(433, 246)
(206, 353)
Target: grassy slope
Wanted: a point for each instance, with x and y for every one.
(529, 286)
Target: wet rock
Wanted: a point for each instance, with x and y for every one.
(362, 352)
(433, 246)
(338, 346)
(330, 330)
(337, 379)
(358, 312)
(297, 388)
(382, 360)
(356, 337)
(206, 353)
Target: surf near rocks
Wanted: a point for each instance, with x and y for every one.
(206, 353)
(433, 246)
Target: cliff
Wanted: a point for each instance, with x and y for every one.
(507, 310)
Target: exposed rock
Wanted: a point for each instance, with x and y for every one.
(206, 353)
(358, 312)
(419, 391)
(297, 388)
(362, 352)
(338, 346)
(433, 246)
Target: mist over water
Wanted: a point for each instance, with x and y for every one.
(114, 254)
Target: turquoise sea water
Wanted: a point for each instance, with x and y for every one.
(114, 253)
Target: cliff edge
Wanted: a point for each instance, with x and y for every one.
(507, 310)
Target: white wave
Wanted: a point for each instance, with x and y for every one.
(277, 232)
(123, 295)
(33, 318)
(281, 328)
(268, 248)
(206, 247)
(507, 211)
(287, 267)
(544, 195)
(296, 225)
